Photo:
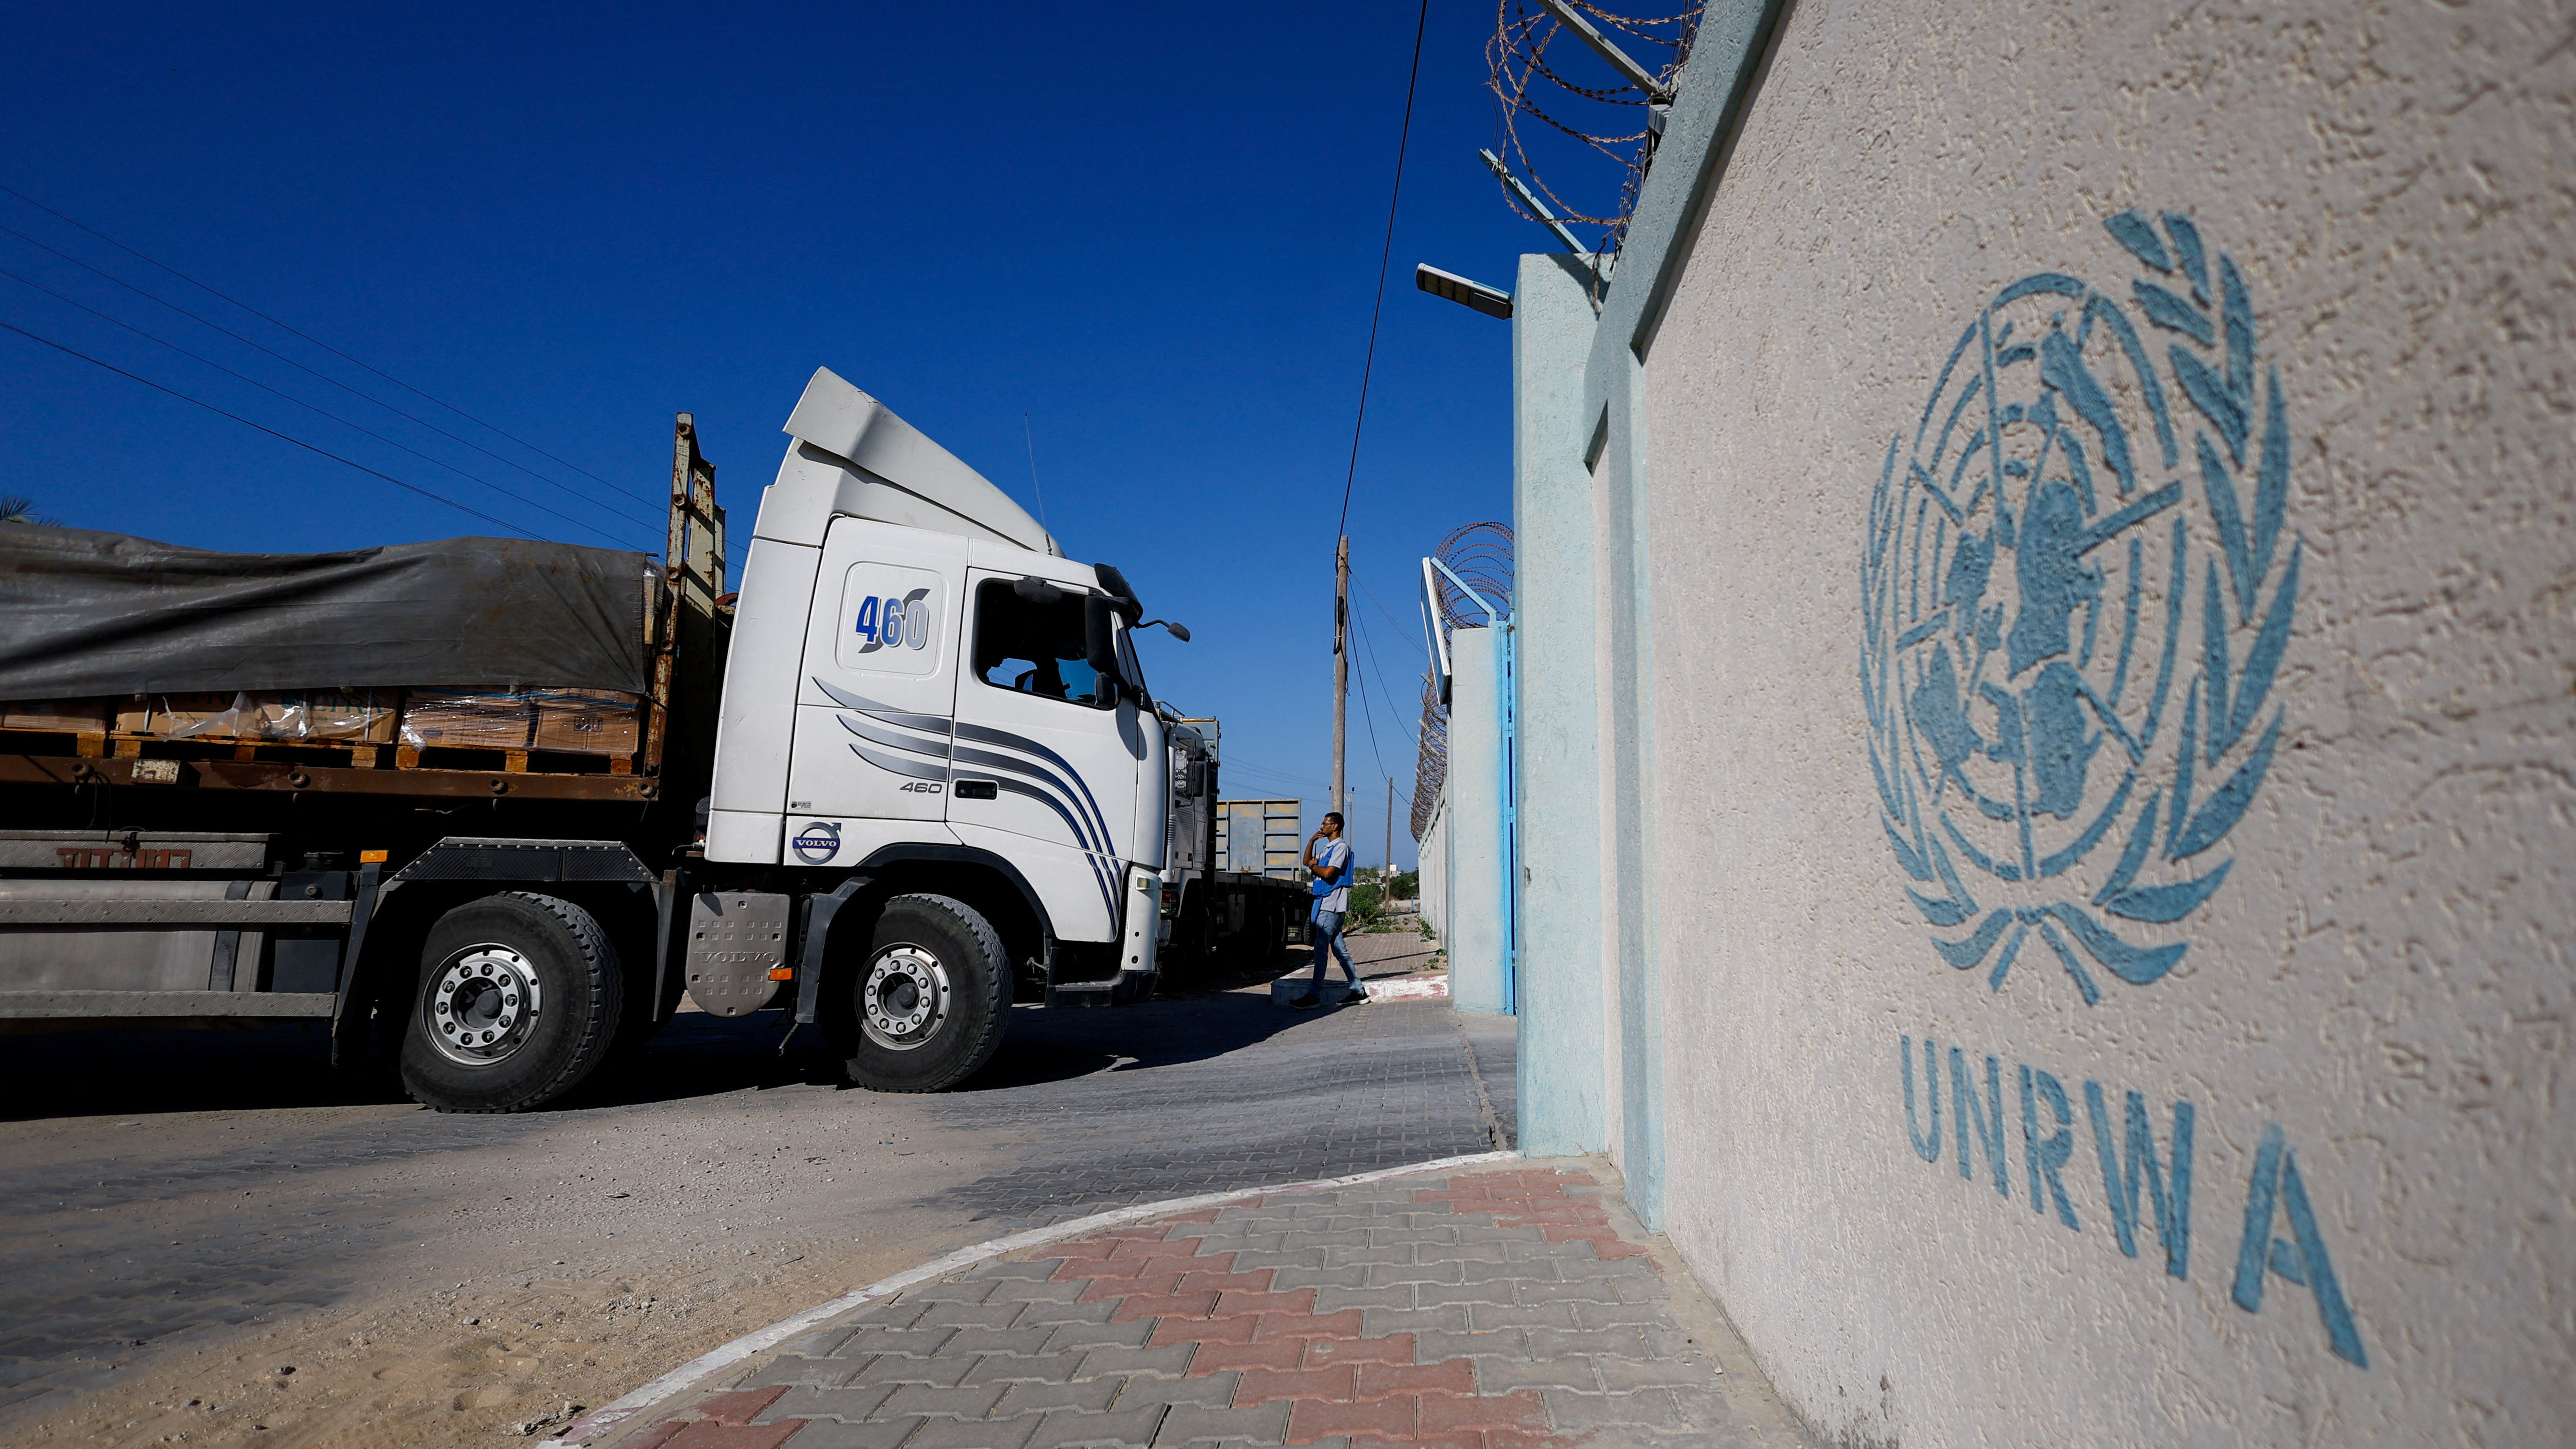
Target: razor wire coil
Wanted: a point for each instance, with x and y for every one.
(1517, 59)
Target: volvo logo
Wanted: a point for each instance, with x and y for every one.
(817, 843)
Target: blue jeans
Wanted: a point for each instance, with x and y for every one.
(1328, 935)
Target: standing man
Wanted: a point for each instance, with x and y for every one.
(1328, 855)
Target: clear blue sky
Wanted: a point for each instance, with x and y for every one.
(1155, 234)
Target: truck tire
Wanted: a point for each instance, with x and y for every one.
(929, 1002)
(518, 999)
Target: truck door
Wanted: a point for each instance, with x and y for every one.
(1048, 752)
(880, 681)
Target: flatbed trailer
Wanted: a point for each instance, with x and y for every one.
(197, 881)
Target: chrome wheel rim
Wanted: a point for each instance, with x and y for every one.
(904, 1000)
(482, 1005)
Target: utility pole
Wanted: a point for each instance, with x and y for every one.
(1386, 882)
(1341, 669)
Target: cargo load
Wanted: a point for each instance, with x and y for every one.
(468, 643)
(363, 716)
(562, 721)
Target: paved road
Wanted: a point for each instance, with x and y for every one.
(187, 1215)
(1511, 1308)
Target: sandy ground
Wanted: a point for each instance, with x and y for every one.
(367, 1272)
(210, 1238)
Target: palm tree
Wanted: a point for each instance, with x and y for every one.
(19, 508)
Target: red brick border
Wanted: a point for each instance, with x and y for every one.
(1337, 1381)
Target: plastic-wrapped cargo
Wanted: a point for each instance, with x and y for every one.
(298, 716)
(355, 716)
(191, 715)
(466, 719)
(588, 722)
(566, 721)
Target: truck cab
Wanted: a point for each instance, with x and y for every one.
(923, 691)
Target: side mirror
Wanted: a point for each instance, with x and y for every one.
(1177, 631)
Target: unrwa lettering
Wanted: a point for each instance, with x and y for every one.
(2129, 1162)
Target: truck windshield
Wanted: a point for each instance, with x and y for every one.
(1036, 648)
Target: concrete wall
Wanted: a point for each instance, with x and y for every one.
(1477, 931)
(1432, 856)
(1945, 947)
(1560, 978)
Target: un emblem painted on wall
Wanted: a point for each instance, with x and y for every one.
(2077, 594)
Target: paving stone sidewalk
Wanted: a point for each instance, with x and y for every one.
(1391, 953)
(1485, 1310)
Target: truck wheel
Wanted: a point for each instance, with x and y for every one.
(518, 1000)
(928, 1004)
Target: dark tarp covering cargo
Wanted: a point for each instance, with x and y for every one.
(85, 613)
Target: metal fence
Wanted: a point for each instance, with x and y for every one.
(1480, 554)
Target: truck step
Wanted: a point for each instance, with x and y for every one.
(1125, 990)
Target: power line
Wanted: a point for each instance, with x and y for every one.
(316, 341)
(299, 402)
(1369, 362)
(1368, 716)
(274, 433)
(1368, 713)
(1031, 434)
(1369, 646)
(1280, 775)
(1414, 629)
(324, 376)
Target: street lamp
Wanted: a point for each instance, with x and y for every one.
(1488, 300)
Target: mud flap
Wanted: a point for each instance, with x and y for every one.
(737, 939)
(1139, 945)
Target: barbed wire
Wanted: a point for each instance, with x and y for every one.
(1480, 554)
(1517, 57)
(1431, 767)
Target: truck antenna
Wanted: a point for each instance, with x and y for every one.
(1029, 433)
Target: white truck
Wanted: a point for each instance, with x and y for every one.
(931, 781)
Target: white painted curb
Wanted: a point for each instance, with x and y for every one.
(1401, 988)
(608, 1416)
(1414, 986)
